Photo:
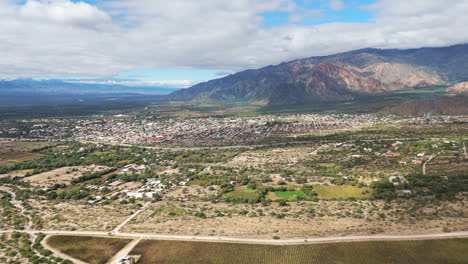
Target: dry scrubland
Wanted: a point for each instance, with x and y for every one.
(177, 218)
(62, 175)
(451, 251)
(272, 157)
(94, 250)
(16, 173)
(74, 215)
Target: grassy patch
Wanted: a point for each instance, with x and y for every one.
(403, 252)
(287, 195)
(94, 250)
(243, 192)
(346, 191)
(201, 182)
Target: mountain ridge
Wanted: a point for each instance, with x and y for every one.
(339, 77)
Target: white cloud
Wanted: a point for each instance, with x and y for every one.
(337, 5)
(59, 38)
(63, 12)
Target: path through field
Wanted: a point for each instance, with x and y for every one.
(425, 163)
(464, 150)
(117, 228)
(124, 251)
(18, 205)
(60, 254)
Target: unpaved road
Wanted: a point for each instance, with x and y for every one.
(251, 240)
(117, 228)
(425, 163)
(138, 237)
(464, 150)
(124, 251)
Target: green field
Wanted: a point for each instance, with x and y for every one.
(453, 251)
(243, 192)
(94, 250)
(287, 195)
(346, 191)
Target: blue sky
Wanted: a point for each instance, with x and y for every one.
(351, 12)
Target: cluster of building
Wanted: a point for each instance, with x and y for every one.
(151, 189)
(428, 119)
(125, 190)
(132, 130)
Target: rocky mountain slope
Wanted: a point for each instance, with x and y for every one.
(460, 88)
(340, 77)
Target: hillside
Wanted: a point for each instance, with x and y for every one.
(461, 88)
(456, 105)
(340, 77)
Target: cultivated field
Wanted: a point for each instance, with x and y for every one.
(335, 192)
(21, 146)
(94, 250)
(402, 252)
(10, 158)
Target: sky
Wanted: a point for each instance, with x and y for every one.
(179, 43)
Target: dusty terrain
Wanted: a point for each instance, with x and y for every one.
(291, 221)
(61, 176)
(277, 157)
(16, 173)
(74, 215)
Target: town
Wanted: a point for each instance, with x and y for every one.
(127, 129)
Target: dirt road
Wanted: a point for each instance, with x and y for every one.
(124, 251)
(252, 240)
(138, 237)
(425, 163)
(117, 228)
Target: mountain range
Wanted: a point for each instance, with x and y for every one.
(340, 77)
